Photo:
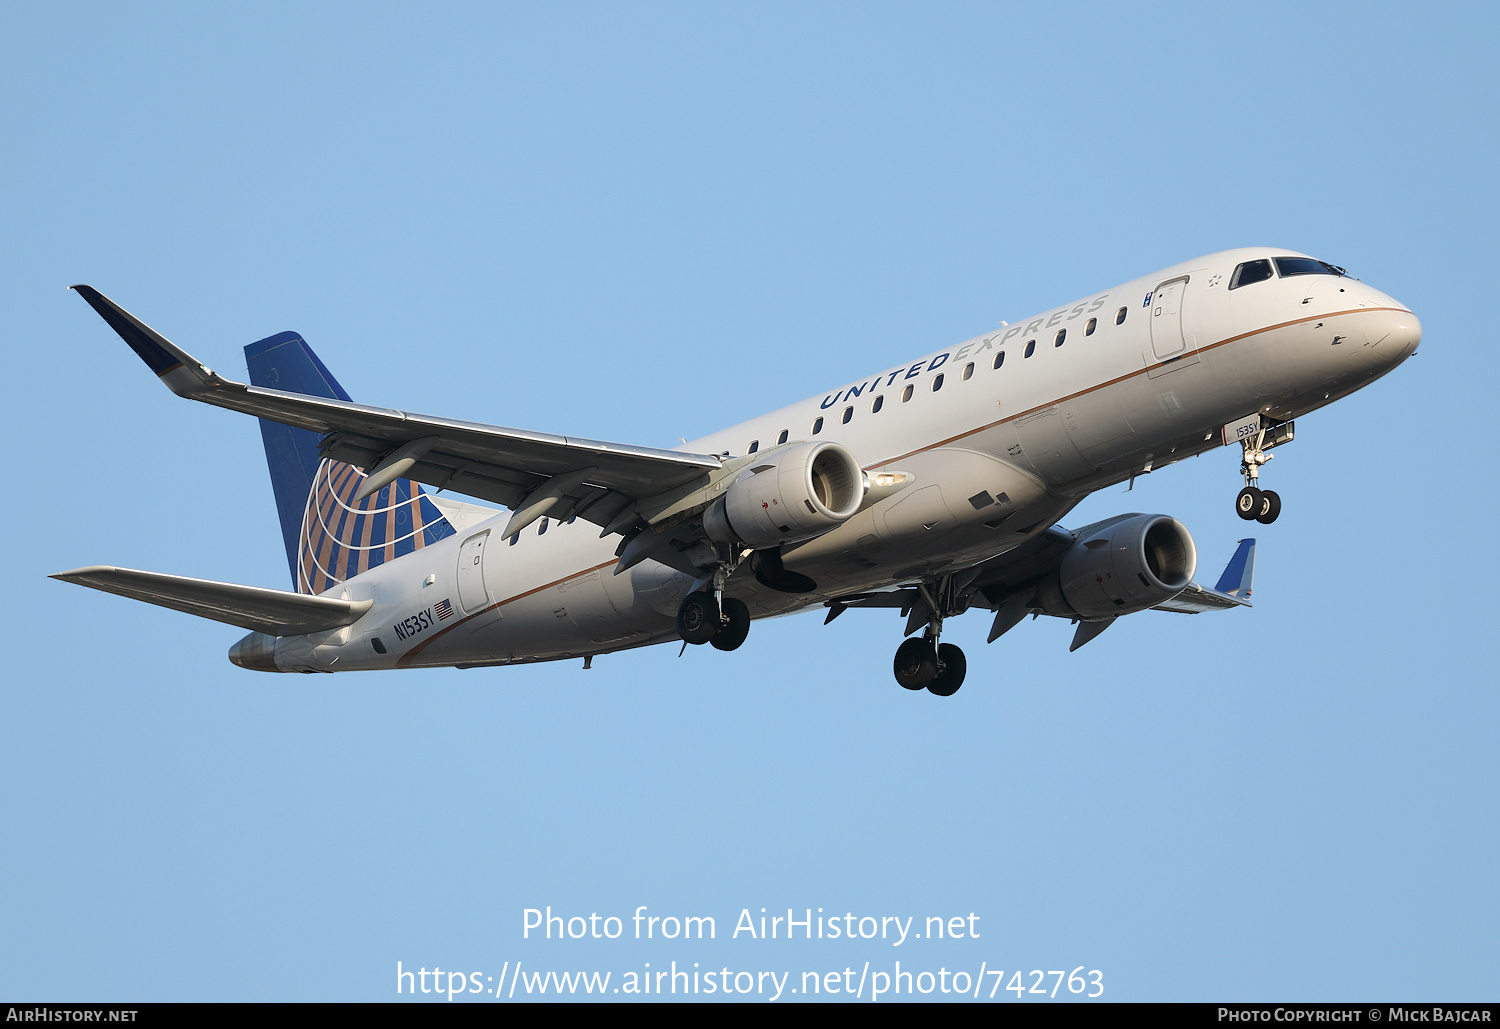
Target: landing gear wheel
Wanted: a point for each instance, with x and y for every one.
(698, 618)
(733, 632)
(916, 664)
(1270, 507)
(951, 677)
(1248, 504)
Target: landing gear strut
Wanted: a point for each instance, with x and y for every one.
(1253, 503)
(734, 625)
(706, 616)
(923, 663)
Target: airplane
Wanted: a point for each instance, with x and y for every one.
(932, 487)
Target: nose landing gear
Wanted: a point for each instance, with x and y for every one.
(1258, 505)
(923, 663)
(1253, 503)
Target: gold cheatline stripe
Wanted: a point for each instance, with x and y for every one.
(1127, 375)
(414, 651)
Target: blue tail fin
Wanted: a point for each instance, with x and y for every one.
(328, 536)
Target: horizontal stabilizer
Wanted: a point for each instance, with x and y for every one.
(274, 612)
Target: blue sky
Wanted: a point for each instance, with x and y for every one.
(644, 222)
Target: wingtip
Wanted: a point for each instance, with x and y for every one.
(150, 346)
(74, 574)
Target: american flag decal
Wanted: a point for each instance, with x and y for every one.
(443, 609)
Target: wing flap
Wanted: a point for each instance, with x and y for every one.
(274, 612)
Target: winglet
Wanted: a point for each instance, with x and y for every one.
(1237, 574)
(183, 374)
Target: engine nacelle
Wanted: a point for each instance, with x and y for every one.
(790, 494)
(1132, 565)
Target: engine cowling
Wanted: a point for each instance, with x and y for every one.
(1131, 565)
(792, 493)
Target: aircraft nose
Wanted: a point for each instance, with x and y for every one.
(256, 652)
(1391, 336)
(1408, 334)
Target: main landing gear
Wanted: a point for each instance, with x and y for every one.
(702, 619)
(923, 663)
(707, 616)
(1255, 504)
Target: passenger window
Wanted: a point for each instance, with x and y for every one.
(514, 539)
(999, 359)
(1030, 348)
(1088, 330)
(1120, 316)
(754, 446)
(572, 519)
(937, 383)
(968, 371)
(543, 530)
(1250, 272)
(848, 413)
(817, 426)
(1057, 340)
(782, 438)
(906, 393)
(879, 403)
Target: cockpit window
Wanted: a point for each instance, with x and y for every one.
(1289, 266)
(1250, 272)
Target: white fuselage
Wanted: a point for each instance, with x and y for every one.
(998, 454)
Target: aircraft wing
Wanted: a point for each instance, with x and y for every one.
(1008, 585)
(274, 612)
(1197, 599)
(1231, 591)
(592, 479)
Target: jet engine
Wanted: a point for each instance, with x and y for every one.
(792, 493)
(1121, 567)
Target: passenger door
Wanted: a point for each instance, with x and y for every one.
(1166, 319)
(471, 592)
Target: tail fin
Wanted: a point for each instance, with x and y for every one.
(1237, 574)
(330, 537)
